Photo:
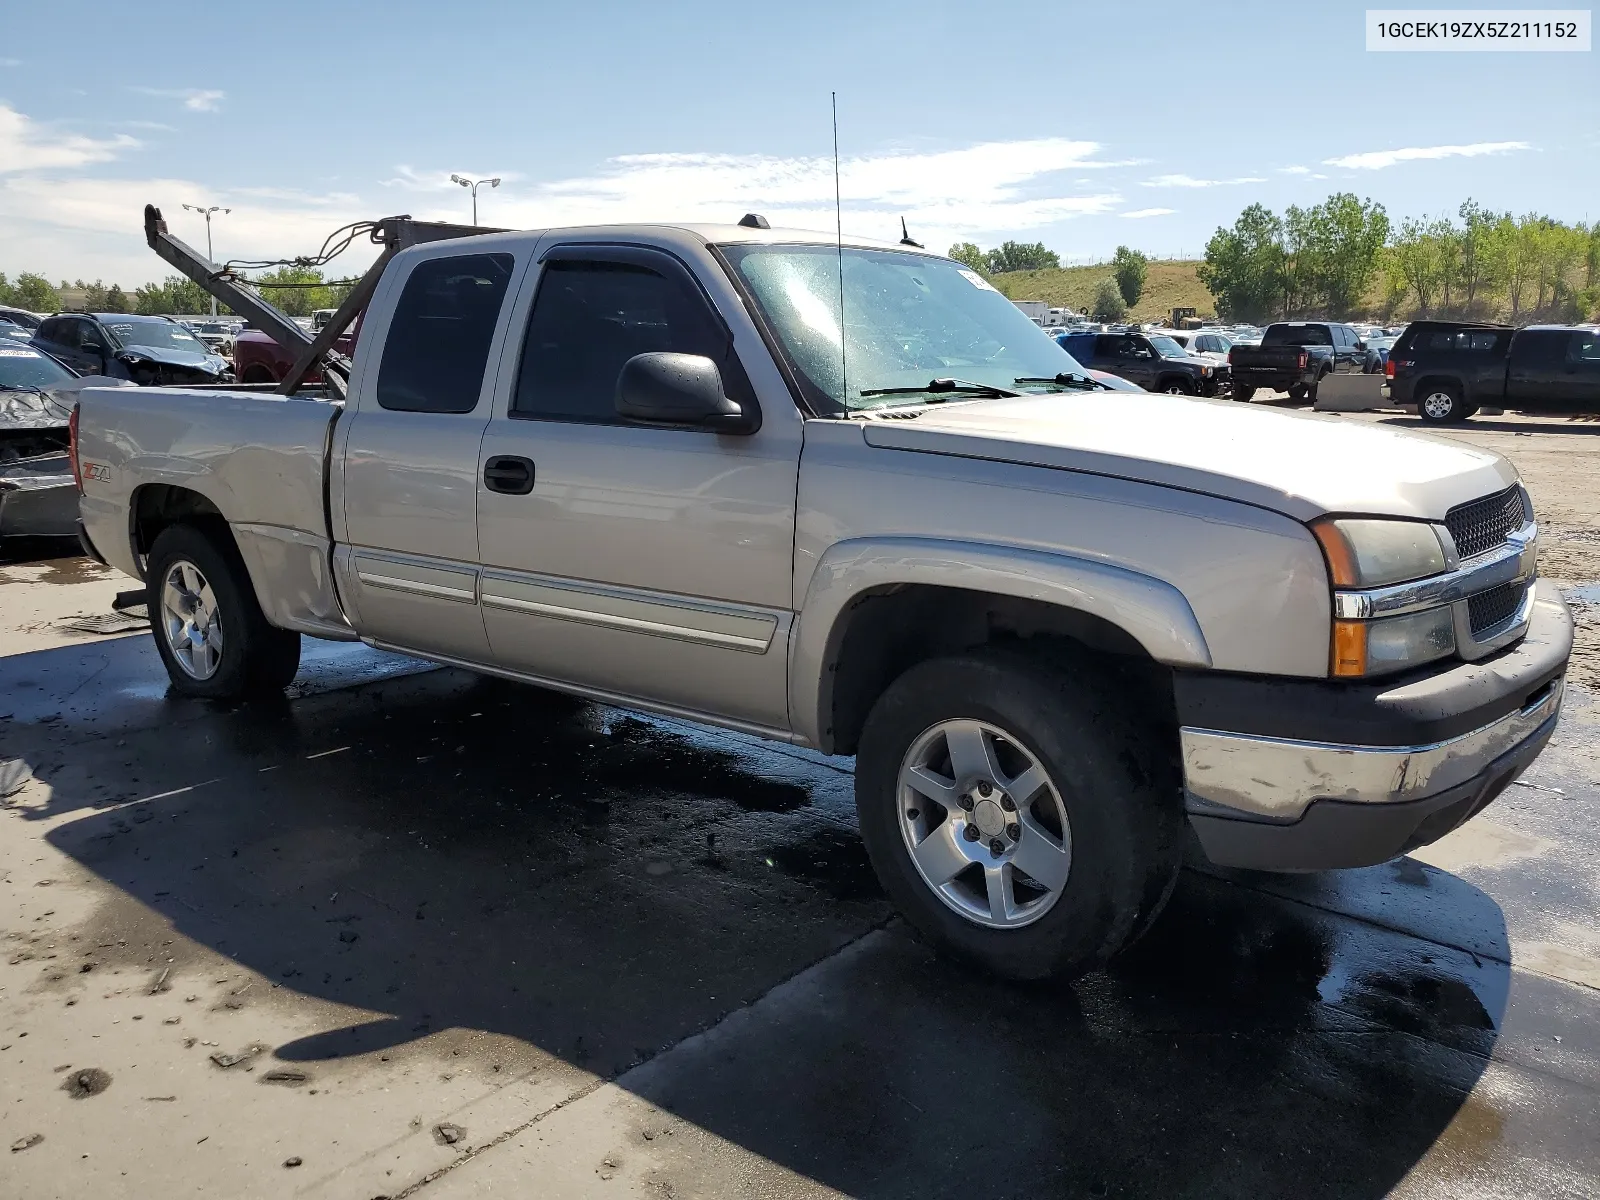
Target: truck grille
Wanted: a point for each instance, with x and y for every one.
(1482, 525)
(1495, 606)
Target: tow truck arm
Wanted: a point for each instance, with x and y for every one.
(392, 233)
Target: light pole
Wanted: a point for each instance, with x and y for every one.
(206, 213)
(467, 183)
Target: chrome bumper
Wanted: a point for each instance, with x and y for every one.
(1277, 779)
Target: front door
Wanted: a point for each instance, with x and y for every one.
(1579, 386)
(408, 557)
(629, 559)
(1135, 360)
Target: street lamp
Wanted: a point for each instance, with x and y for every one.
(467, 183)
(206, 213)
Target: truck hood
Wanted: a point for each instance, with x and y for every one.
(1304, 465)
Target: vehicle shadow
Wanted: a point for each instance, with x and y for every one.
(471, 856)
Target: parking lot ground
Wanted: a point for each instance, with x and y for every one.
(414, 932)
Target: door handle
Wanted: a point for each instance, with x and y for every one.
(508, 474)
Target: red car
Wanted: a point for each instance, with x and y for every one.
(257, 358)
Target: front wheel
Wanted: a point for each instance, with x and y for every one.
(1178, 387)
(209, 629)
(1016, 815)
(1441, 404)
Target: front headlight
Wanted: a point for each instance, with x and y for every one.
(1365, 553)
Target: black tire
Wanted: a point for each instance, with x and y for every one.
(1242, 393)
(1440, 404)
(1176, 386)
(1298, 391)
(256, 373)
(1119, 788)
(254, 658)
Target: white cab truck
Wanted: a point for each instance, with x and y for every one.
(1066, 632)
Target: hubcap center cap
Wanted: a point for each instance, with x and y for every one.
(989, 817)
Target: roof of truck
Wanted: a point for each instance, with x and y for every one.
(717, 234)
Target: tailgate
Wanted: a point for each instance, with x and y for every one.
(1273, 358)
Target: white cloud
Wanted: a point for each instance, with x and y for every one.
(194, 99)
(1294, 170)
(1188, 181)
(26, 145)
(994, 189)
(10, 62)
(1139, 213)
(68, 224)
(1377, 160)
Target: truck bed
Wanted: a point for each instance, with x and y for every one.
(258, 458)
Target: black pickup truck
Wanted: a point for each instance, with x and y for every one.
(1294, 357)
(1450, 369)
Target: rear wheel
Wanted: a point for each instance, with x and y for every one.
(209, 629)
(1298, 391)
(1240, 392)
(1440, 404)
(256, 373)
(1016, 816)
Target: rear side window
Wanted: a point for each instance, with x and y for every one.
(1585, 347)
(1467, 341)
(589, 318)
(438, 343)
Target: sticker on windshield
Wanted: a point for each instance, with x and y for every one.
(120, 328)
(976, 280)
(19, 354)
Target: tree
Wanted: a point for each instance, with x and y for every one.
(115, 301)
(1417, 257)
(1014, 256)
(1108, 302)
(968, 255)
(1244, 266)
(34, 293)
(297, 301)
(1130, 268)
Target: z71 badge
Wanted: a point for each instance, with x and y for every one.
(99, 472)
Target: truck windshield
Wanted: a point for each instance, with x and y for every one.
(156, 334)
(909, 319)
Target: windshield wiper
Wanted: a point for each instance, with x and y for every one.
(940, 387)
(1081, 382)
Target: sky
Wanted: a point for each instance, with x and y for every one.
(1081, 125)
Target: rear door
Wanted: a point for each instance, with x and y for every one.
(408, 556)
(1580, 374)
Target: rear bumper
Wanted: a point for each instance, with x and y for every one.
(1312, 775)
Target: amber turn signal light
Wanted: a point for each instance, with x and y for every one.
(1349, 649)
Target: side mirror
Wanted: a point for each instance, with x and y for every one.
(1360, 345)
(679, 389)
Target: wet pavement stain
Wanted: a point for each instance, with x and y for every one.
(831, 860)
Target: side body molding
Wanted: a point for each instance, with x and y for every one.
(1153, 612)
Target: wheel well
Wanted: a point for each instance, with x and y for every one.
(258, 373)
(1428, 382)
(1162, 381)
(155, 506)
(886, 632)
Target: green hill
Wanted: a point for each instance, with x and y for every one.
(1168, 285)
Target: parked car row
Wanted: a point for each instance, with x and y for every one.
(147, 350)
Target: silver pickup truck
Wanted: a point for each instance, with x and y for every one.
(851, 498)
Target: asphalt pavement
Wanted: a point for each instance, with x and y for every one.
(414, 932)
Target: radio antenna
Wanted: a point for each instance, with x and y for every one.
(838, 234)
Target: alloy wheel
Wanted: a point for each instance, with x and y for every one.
(190, 620)
(984, 824)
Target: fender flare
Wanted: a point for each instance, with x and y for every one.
(1150, 610)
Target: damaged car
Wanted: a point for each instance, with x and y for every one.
(146, 350)
(37, 496)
